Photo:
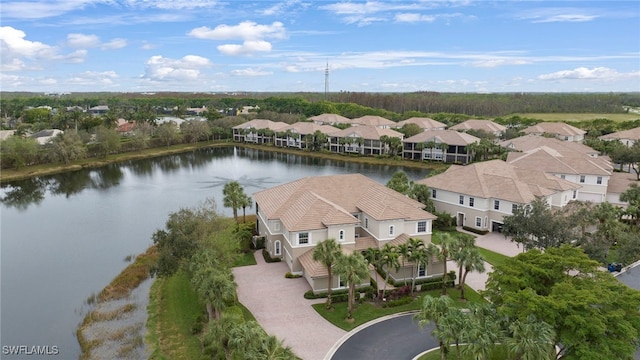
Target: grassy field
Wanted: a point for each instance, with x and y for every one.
(366, 312)
(492, 257)
(568, 117)
(173, 309)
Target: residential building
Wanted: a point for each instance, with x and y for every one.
(371, 120)
(487, 126)
(591, 173)
(300, 135)
(330, 119)
(361, 139)
(423, 123)
(619, 183)
(440, 145)
(560, 130)
(45, 136)
(99, 110)
(479, 195)
(626, 137)
(259, 131)
(356, 211)
(530, 142)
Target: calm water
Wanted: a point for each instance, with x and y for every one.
(65, 237)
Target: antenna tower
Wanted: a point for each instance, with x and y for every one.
(326, 80)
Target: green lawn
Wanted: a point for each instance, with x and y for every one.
(492, 257)
(245, 259)
(366, 312)
(173, 309)
(499, 353)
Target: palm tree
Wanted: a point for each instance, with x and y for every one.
(353, 269)
(452, 327)
(447, 245)
(472, 261)
(432, 311)
(482, 331)
(418, 255)
(389, 259)
(214, 285)
(233, 197)
(274, 349)
(530, 339)
(246, 202)
(327, 253)
(403, 251)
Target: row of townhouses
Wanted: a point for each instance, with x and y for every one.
(360, 213)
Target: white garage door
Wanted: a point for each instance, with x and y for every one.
(590, 197)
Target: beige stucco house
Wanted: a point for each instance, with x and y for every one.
(372, 120)
(362, 139)
(259, 131)
(356, 211)
(330, 119)
(439, 145)
(481, 194)
(423, 123)
(484, 125)
(626, 137)
(300, 134)
(560, 130)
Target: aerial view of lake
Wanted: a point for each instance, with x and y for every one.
(64, 237)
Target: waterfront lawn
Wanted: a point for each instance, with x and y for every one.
(366, 311)
(173, 309)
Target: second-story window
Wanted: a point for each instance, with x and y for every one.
(496, 204)
(391, 229)
(471, 201)
(433, 193)
(303, 238)
(599, 180)
(461, 200)
(341, 235)
(582, 178)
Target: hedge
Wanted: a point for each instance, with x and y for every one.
(268, 257)
(336, 296)
(476, 231)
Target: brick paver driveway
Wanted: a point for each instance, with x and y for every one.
(279, 306)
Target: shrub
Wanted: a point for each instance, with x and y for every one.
(399, 302)
(444, 222)
(336, 296)
(289, 275)
(268, 257)
(476, 231)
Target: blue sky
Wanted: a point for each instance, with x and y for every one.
(370, 46)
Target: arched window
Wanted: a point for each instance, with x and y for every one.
(341, 235)
(276, 246)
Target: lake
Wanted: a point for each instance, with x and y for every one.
(64, 237)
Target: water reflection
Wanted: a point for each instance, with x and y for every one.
(22, 194)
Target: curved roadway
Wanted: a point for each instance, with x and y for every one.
(398, 338)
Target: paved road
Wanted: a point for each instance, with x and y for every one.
(398, 338)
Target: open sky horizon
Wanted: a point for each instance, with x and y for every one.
(286, 46)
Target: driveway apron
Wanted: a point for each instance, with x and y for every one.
(278, 304)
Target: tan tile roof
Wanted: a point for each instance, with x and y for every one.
(331, 119)
(306, 128)
(449, 137)
(311, 267)
(560, 162)
(486, 125)
(262, 124)
(620, 181)
(631, 134)
(530, 142)
(372, 120)
(367, 132)
(497, 179)
(316, 202)
(423, 123)
(365, 242)
(559, 128)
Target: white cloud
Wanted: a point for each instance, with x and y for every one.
(246, 30)
(414, 17)
(41, 9)
(93, 77)
(547, 15)
(159, 68)
(583, 73)
(172, 4)
(280, 8)
(82, 41)
(247, 48)
(18, 53)
(114, 44)
(251, 72)
(491, 63)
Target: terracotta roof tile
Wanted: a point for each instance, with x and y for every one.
(367, 132)
(423, 123)
(485, 125)
(372, 120)
(631, 134)
(558, 128)
(449, 137)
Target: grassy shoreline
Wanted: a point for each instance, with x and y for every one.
(7, 175)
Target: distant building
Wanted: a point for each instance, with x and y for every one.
(439, 145)
(560, 130)
(626, 137)
(487, 126)
(424, 123)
